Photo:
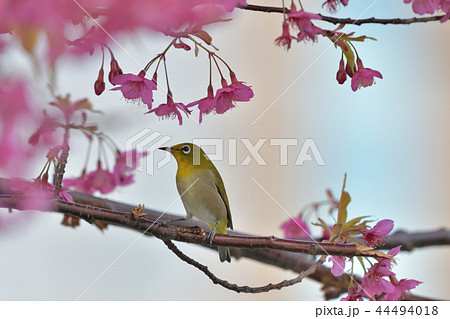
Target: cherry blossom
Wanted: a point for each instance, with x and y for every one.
(302, 21)
(374, 283)
(227, 96)
(135, 87)
(286, 38)
(99, 180)
(338, 265)
(123, 174)
(364, 77)
(400, 288)
(296, 228)
(353, 295)
(171, 109)
(205, 105)
(37, 193)
(375, 235)
(424, 6)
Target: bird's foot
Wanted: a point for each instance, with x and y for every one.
(211, 235)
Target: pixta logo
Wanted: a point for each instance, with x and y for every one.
(150, 141)
(147, 141)
(308, 150)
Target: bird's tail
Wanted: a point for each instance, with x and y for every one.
(224, 254)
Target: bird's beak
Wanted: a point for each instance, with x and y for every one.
(167, 149)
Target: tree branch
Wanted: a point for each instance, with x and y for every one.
(335, 20)
(409, 241)
(333, 287)
(196, 234)
(245, 289)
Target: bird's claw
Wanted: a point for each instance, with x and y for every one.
(211, 235)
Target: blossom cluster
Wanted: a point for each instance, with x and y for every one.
(302, 22)
(430, 7)
(139, 88)
(104, 180)
(27, 19)
(379, 281)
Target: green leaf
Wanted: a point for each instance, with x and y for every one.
(343, 203)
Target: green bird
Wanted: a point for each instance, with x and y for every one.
(202, 191)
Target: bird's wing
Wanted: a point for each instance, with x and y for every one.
(223, 194)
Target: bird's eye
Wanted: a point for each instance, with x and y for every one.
(186, 149)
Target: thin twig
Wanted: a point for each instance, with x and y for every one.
(335, 20)
(61, 167)
(245, 289)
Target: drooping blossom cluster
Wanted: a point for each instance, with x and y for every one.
(379, 281)
(139, 88)
(353, 66)
(73, 116)
(296, 228)
(104, 180)
(301, 21)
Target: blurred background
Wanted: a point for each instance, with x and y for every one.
(392, 140)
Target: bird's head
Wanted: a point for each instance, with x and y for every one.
(188, 154)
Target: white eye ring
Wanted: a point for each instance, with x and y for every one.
(186, 149)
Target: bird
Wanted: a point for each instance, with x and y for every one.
(202, 191)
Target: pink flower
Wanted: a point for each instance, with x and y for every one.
(302, 20)
(229, 94)
(125, 165)
(37, 193)
(296, 228)
(98, 180)
(101, 180)
(285, 39)
(171, 109)
(205, 105)
(424, 6)
(445, 7)
(135, 87)
(364, 77)
(374, 283)
(45, 131)
(374, 235)
(333, 4)
(15, 114)
(68, 108)
(353, 295)
(338, 265)
(79, 183)
(400, 288)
